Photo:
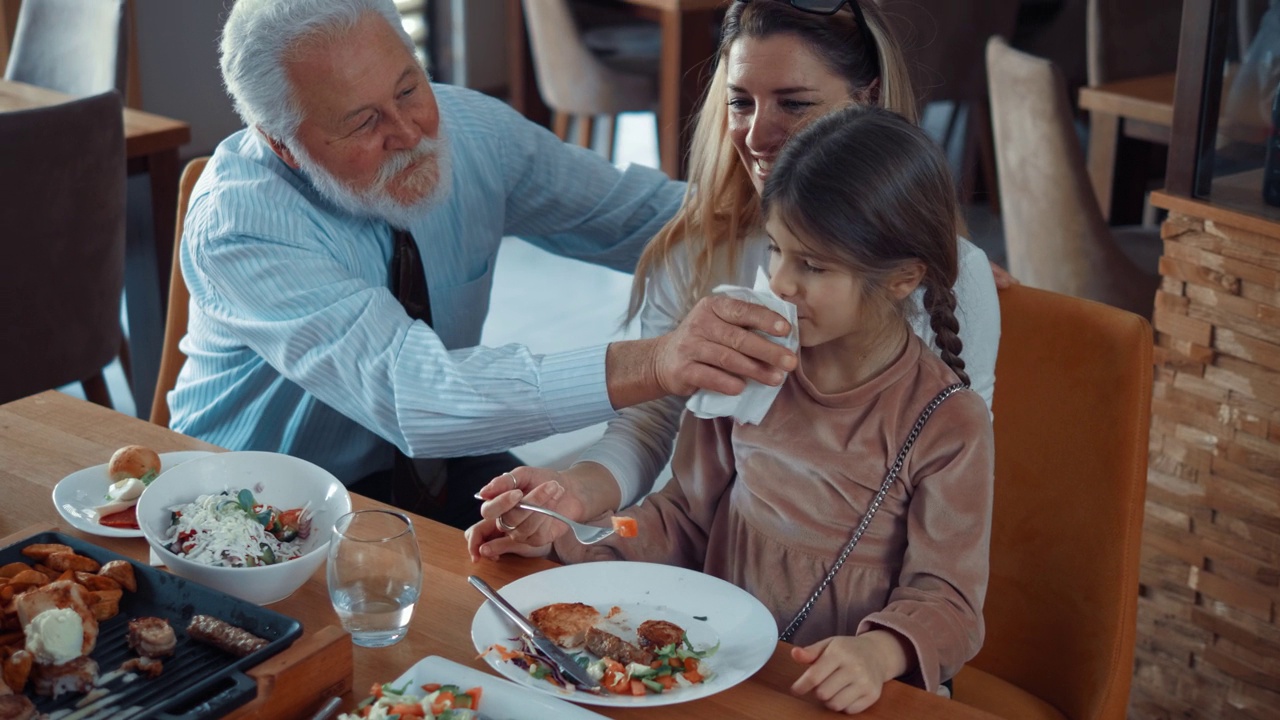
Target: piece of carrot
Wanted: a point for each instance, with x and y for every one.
(407, 710)
(637, 688)
(626, 527)
(694, 677)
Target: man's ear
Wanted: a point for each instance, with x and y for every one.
(906, 278)
(278, 147)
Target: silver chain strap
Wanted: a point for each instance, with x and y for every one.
(871, 511)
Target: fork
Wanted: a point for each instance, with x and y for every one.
(585, 534)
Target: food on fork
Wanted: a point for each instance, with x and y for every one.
(224, 635)
(151, 637)
(565, 624)
(627, 527)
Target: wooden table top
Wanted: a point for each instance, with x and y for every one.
(144, 133)
(47, 436)
(1149, 99)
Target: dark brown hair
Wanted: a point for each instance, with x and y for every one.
(871, 191)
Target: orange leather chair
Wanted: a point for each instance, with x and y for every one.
(175, 323)
(1072, 412)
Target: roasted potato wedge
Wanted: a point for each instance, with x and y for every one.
(122, 572)
(97, 596)
(63, 561)
(105, 609)
(41, 551)
(96, 582)
(13, 568)
(16, 668)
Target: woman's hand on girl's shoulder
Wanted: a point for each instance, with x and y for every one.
(848, 672)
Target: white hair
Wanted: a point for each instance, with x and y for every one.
(256, 44)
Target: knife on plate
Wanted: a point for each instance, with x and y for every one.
(565, 664)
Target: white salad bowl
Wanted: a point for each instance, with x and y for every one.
(282, 481)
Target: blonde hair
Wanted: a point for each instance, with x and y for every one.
(720, 203)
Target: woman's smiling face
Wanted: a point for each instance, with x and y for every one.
(776, 86)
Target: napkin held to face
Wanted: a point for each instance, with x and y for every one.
(754, 401)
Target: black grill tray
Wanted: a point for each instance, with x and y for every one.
(199, 681)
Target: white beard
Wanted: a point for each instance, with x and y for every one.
(432, 179)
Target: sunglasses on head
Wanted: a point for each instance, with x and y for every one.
(831, 7)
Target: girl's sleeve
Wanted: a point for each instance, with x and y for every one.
(937, 605)
(673, 523)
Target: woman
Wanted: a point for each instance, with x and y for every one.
(781, 65)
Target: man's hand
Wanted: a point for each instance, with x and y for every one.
(714, 348)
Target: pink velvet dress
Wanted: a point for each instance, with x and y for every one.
(769, 508)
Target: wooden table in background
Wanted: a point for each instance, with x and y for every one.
(689, 32)
(151, 148)
(45, 437)
(1135, 109)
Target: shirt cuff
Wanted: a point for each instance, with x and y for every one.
(574, 389)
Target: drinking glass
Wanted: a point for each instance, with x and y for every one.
(375, 575)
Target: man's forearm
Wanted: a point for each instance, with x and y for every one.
(630, 372)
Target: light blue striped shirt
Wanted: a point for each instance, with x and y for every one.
(295, 344)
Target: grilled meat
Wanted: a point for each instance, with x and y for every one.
(76, 676)
(16, 707)
(63, 594)
(224, 636)
(565, 624)
(655, 634)
(143, 666)
(605, 644)
(151, 637)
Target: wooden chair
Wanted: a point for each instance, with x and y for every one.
(1072, 413)
(577, 83)
(1055, 235)
(175, 323)
(62, 177)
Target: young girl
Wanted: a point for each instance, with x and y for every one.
(860, 211)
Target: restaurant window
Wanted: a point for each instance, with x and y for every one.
(1226, 106)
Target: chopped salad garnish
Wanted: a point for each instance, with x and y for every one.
(236, 531)
(674, 666)
(431, 701)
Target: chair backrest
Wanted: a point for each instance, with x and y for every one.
(62, 177)
(175, 323)
(1131, 38)
(571, 79)
(943, 41)
(1055, 236)
(1072, 413)
(78, 47)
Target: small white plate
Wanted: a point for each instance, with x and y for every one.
(81, 491)
(501, 700)
(709, 609)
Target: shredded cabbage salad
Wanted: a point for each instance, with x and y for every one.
(226, 530)
(441, 702)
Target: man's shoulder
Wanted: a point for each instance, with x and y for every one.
(245, 189)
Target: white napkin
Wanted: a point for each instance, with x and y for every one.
(751, 405)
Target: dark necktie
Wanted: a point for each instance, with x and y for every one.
(417, 484)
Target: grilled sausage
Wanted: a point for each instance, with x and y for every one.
(605, 644)
(224, 636)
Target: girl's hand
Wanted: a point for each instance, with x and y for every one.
(848, 673)
(1002, 277)
(521, 531)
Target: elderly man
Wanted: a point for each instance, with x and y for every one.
(301, 340)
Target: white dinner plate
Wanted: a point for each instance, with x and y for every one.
(501, 700)
(81, 491)
(709, 609)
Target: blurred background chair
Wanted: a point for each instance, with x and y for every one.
(578, 82)
(1072, 414)
(175, 324)
(78, 47)
(62, 177)
(944, 41)
(1055, 235)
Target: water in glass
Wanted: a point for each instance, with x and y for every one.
(375, 575)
